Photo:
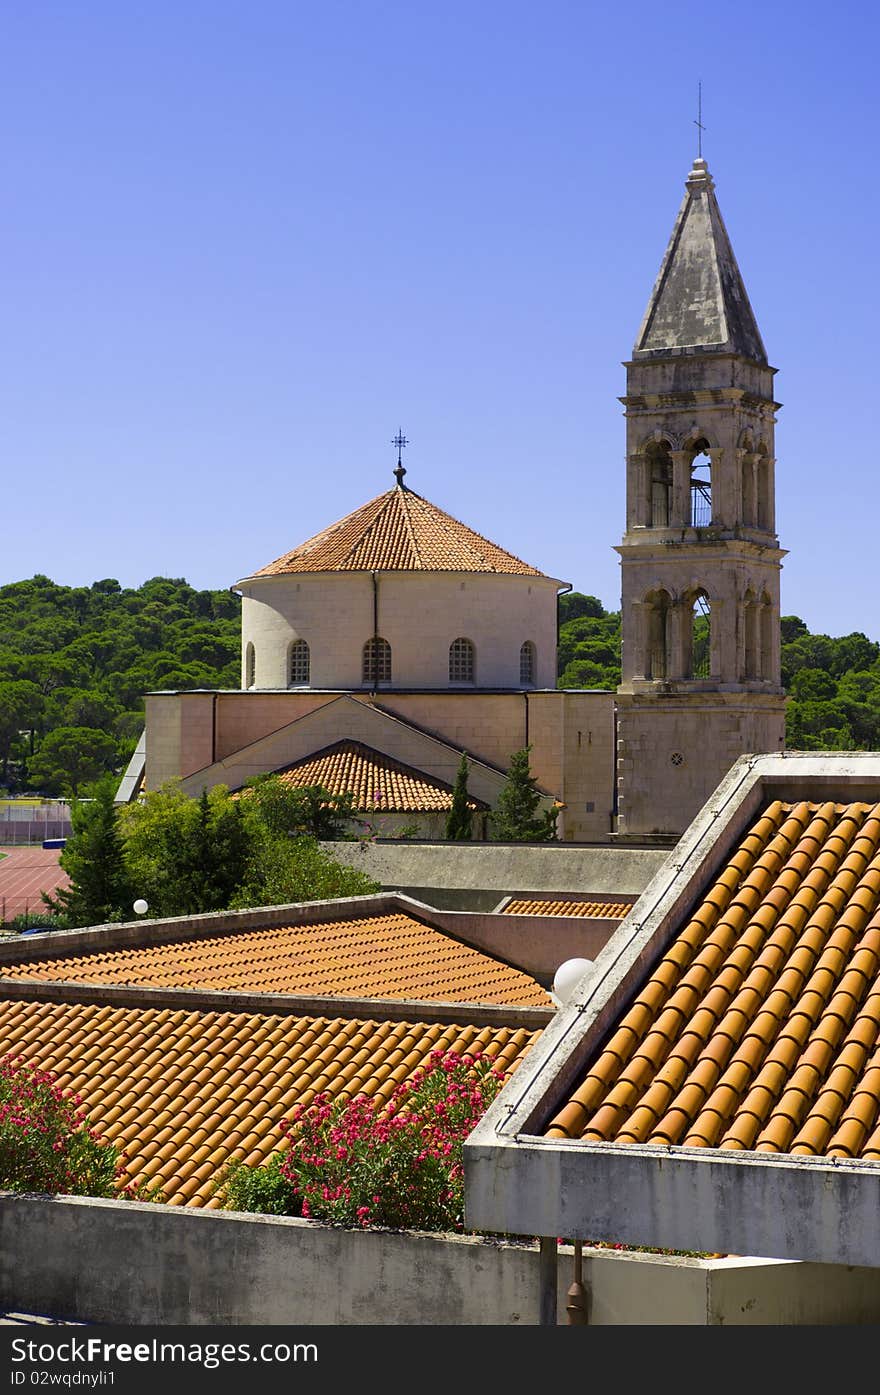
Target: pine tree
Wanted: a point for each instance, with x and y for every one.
(459, 821)
(516, 820)
(93, 858)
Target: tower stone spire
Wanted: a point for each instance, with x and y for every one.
(699, 300)
(700, 559)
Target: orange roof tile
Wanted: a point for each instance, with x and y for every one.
(386, 956)
(398, 531)
(759, 1028)
(379, 783)
(183, 1092)
(613, 910)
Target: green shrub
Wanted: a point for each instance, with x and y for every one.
(260, 1189)
(38, 920)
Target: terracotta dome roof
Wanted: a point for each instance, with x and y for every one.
(398, 531)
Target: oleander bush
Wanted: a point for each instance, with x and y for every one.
(47, 1143)
(366, 1162)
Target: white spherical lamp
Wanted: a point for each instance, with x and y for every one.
(566, 978)
(140, 906)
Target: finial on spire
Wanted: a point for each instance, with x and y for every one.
(400, 441)
(699, 121)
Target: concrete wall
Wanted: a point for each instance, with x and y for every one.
(571, 734)
(243, 718)
(356, 720)
(537, 944)
(505, 867)
(124, 1262)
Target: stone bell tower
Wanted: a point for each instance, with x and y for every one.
(700, 559)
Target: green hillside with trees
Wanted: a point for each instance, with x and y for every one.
(76, 661)
(588, 655)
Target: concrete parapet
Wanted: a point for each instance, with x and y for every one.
(130, 1263)
(505, 867)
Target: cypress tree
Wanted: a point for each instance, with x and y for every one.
(459, 821)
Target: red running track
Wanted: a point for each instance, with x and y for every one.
(24, 874)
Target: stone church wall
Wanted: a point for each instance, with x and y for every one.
(419, 614)
(571, 734)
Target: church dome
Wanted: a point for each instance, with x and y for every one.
(398, 594)
(398, 531)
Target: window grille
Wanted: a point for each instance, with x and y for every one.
(527, 664)
(701, 503)
(461, 661)
(299, 663)
(377, 661)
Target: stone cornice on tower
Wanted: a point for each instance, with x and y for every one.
(699, 301)
(736, 544)
(707, 399)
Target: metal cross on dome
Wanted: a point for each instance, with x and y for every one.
(400, 441)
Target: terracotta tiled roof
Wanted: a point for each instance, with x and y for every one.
(760, 1026)
(182, 1092)
(386, 956)
(351, 766)
(612, 910)
(398, 531)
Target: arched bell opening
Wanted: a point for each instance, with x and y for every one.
(701, 485)
(658, 605)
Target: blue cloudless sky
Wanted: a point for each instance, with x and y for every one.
(243, 241)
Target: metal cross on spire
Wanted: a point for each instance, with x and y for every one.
(699, 121)
(400, 441)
